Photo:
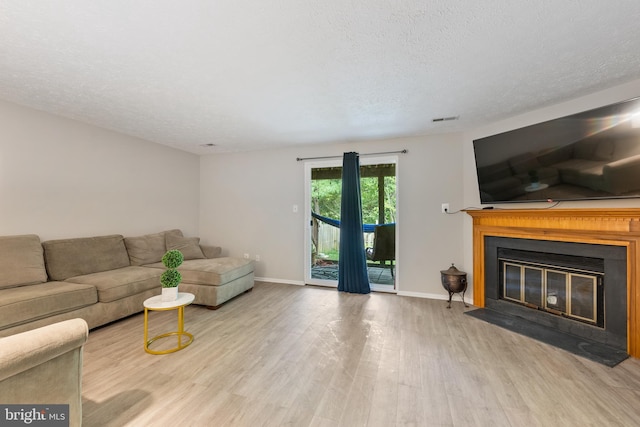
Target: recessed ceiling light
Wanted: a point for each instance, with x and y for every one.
(445, 119)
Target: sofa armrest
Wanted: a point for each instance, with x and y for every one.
(622, 175)
(211, 251)
(44, 366)
(25, 350)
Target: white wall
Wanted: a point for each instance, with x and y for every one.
(60, 178)
(247, 199)
(587, 102)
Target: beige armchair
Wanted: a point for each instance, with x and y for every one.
(44, 366)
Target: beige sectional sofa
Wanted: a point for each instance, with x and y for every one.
(104, 278)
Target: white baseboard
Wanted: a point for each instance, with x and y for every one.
(442, 297)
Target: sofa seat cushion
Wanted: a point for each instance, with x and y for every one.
(216, 271)
(28, 303)
(21, 261)
(573, 171)
(123, 282)
(578, 165)
(594, 170)
(592, 178)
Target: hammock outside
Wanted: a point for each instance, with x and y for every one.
(366, 228)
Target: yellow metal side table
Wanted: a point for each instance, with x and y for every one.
(156, 304)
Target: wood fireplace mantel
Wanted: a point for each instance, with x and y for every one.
(617, 227)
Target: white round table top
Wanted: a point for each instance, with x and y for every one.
(184, 298)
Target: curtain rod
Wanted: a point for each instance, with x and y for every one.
(405, 151)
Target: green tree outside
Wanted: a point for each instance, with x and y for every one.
(326, 194)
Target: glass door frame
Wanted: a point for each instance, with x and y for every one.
(308, 166)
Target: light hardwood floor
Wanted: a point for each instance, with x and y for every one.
(307, 356)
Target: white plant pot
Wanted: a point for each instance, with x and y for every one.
(169, 294)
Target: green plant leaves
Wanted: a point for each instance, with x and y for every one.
(173, 258)
(170, 278)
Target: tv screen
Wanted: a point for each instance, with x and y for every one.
(594, 154)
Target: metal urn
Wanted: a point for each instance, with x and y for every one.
(454, 281)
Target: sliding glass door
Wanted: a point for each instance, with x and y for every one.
(323, 185)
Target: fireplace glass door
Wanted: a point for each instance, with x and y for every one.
(570, 293)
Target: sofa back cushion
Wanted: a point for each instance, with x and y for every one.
(585, 149)
(149, 248)
(76, 257)
(604, 150)
(189, 246)
(21, 261)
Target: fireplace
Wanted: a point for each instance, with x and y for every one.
(610, 234)
(575, 288)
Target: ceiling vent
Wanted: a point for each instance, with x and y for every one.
(445, 119)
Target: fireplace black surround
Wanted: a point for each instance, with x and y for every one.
(614, 329)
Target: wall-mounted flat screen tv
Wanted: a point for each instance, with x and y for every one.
(594, 154)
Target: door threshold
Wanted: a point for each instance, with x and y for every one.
(375, 287)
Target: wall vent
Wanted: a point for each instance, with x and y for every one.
(445, 119)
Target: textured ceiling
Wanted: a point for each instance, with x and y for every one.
(252, 74)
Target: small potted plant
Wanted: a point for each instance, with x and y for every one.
(171, 278)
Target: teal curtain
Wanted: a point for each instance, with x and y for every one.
(352, 261)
